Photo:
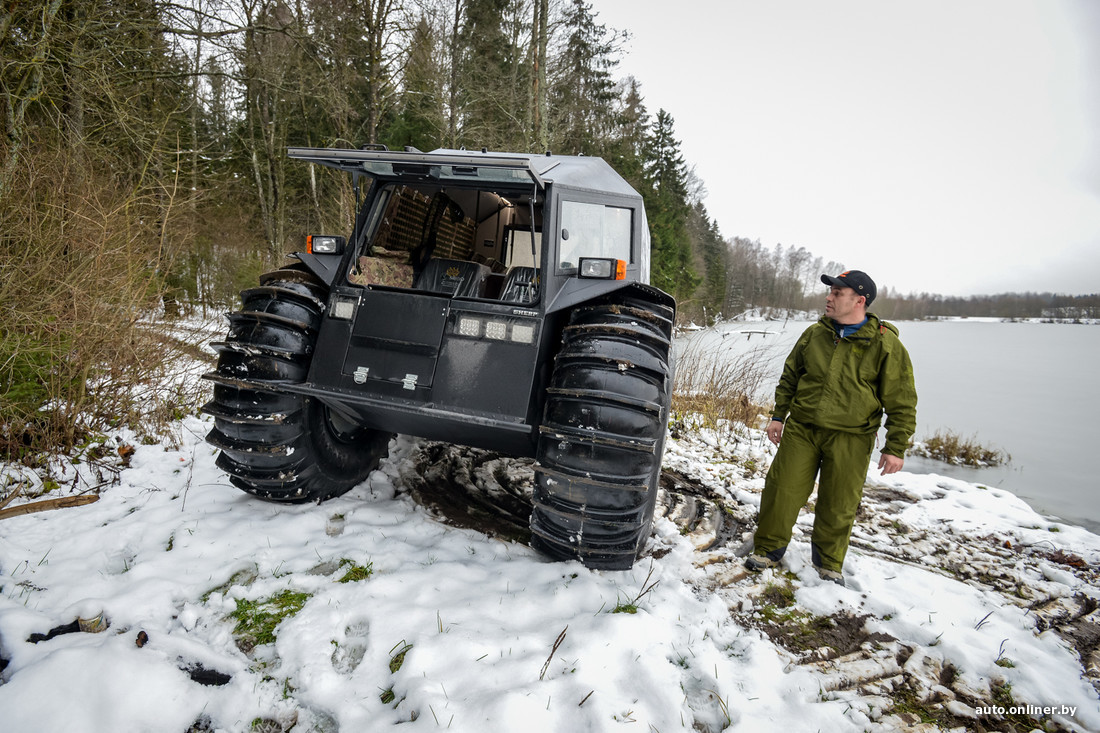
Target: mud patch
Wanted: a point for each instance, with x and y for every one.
(887, 495)
(1077, 620)
(473, 489)
(1084, 635)
(808, 636)
(699, 511)
(490, 493)
(801, 633)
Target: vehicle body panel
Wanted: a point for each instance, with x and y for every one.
(402, 362)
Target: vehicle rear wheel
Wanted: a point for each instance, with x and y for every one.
(277, 445)
(603, 434)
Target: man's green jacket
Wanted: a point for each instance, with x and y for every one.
(847, 383)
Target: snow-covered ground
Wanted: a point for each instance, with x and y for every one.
(961, 604)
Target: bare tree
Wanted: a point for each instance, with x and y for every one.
(539, 42)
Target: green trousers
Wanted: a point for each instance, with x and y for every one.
(842, 459)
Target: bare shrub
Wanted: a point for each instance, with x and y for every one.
(720, 389)
(80, 260)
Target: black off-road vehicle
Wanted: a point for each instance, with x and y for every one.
(492, 300)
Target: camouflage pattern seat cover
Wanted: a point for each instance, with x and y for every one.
(385, 268)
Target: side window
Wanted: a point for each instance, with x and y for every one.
(593, 230)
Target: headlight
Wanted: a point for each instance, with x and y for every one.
(324, 245)
(601, 268)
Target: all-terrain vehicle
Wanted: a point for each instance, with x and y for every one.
(492, 300)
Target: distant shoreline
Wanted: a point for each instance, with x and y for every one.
(994, 319)
(811, 317)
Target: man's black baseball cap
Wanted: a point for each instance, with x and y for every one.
(856, 280)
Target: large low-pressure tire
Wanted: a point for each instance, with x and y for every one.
(277, 445)
(603, 434)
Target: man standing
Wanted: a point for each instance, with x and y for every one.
(844, 372)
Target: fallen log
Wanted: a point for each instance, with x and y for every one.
(47, 504)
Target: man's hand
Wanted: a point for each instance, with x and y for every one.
(775, 431)
(890, 464)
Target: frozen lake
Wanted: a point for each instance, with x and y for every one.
(1024, 388)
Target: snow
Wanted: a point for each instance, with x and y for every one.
(497, 638)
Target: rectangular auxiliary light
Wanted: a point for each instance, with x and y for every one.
(324, 245)
(601, 268)
(523, 333)
(496, 330)
(469, 326)
(343, 308)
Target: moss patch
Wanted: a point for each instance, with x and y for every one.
(257, 620)
(909, 705)
(778, 596)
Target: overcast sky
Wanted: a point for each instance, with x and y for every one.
(947, 146)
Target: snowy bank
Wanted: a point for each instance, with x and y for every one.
(962, 604)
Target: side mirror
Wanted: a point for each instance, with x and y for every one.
(325, 245)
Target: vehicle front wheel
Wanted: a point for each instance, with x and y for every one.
(603, 434)
(278, 445)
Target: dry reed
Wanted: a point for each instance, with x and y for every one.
(81, 263)
(950, 447)
(717, 390)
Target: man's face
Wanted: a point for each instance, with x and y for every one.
(844, 306)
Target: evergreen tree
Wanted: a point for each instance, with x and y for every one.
(626, 149)
(421, 119)
(667, 209)
(711, 254)
(333, 93)
(582, 94)
(493, 76)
